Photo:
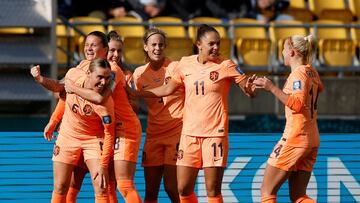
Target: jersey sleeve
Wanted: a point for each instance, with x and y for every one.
(59, 111)
(234, 71)
(106, 113)
(74, 74)
(299, 86)
(177, 73)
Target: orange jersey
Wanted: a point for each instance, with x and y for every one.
(84, 65)
(303, 85)
(126, 119)
(206, 90)
(83, 119)
(164, 114)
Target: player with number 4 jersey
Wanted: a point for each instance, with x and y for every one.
(295, 154)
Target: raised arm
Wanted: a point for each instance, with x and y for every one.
(87, 94)
(48, 83)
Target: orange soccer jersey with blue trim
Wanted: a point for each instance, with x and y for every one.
(83, 118)
(206, 90)
(303, 85)
(164, 114)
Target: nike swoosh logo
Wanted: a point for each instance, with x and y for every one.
(217, 159)
(188, 74)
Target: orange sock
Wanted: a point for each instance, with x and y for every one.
(57, 198)
(112, 192)
(72, 195)
(269, 199)
(305, 199)
(147, 201)
(217, 199)
(128, 191)
(104, 198)
(189, 199)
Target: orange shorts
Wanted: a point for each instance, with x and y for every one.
(126, 148)
(202, 152)
(69, 150)
(289, 158)
(160, 151)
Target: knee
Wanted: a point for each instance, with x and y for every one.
(213, 189)
(184, 190)
(212, 192)
(61, 188)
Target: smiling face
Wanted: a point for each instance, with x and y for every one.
(94, 48)
(154, 47)
(99, 78)
(115, 51)
(209, 46)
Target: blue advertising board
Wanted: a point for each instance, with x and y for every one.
(26, 169)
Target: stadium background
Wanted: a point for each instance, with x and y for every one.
(32, 33)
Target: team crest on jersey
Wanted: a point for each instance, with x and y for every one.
(56, 150)
(297, 85)
(214, 75)
(180, 154)
(238, 69)
(106, 119)
(87, 110)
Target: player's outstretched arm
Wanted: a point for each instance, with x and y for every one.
(86, 93)
(162, 91)
(48, 83)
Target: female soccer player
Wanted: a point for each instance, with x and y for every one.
(128, 127)
(294, 156)
(95, 47)
(164, 118)
(88, 130)
(206, 78)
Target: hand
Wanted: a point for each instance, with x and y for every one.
(250, 86)
(102, 177)
(36, 73)
(263, 83)
(49, 130)
(69, 86)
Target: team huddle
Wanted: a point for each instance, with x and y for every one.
(187, 119)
